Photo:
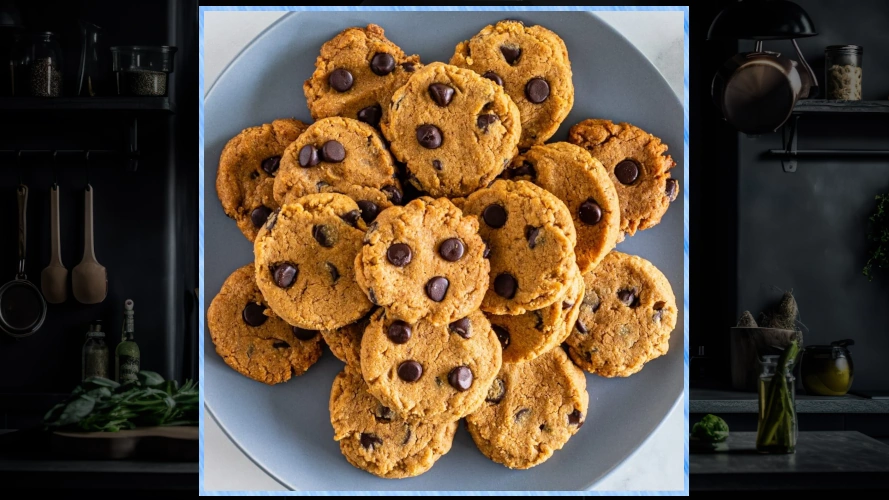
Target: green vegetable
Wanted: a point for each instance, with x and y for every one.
(711, 429)
(878, 233)
(99, 404)
(777, 430)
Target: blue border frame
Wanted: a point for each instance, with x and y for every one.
(686, 190)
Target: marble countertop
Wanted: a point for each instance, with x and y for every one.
(659, 463)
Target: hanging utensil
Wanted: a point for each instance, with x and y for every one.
(22, 308)
(89, 280)
(54, 278)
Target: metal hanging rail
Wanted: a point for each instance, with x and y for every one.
(790, 152)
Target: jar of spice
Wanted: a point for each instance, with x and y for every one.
(842, 64)
(94, 354)
(44, 65)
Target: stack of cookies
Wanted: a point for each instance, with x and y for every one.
(460, 266)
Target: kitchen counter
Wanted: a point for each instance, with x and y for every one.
(833, 459)
(718, 401)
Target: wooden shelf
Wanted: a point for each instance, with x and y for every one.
(54, 104)
(807, 106)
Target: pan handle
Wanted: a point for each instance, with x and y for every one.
(23, 207)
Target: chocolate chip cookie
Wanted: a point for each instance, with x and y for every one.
(345, 342)
(424, 260)
(455, 130)
(532, 333)
(531, 410)
(304, 262)
(426, 372)
(626, 317)
(247, 169)
(252, 339)
(356, 74)
(375, 439)
(638, 167)
(532, 66)
(583, 184)
(531, 239)
(339, 155)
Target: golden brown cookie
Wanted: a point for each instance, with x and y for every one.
(626, 317)
(531, 239)
(583, 184)
(533, 333)
(531, 410)
(247, 169)
(339, 155)
(304, 262)
(638, 167)
(375, 439)
(455, 130)
(356, 74)
(531, 63)
(252, 339)
(424, 260)
(345, 342)
(426, 372)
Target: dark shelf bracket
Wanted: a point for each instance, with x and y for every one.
(133, 150)
(789, 162)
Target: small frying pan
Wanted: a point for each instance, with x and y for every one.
(22, 308)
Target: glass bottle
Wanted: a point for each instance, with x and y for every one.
(126, 356)
(92, 75)
(842, 65)
(94, 355)
(45, 66)
(777, 428)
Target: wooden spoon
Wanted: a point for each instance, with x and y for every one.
(89, 279)
(54, 279)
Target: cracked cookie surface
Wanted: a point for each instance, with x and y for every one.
(626, 317)
(252, 339)
(304, 262)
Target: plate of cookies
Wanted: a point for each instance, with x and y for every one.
(444, 248)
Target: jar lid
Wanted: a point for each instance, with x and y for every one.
(845, 49)
(165, 49)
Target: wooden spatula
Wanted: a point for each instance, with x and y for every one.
(54, 278)
(89, 279)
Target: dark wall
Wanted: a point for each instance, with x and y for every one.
(145, 221)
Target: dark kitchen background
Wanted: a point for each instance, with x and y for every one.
(145, 199)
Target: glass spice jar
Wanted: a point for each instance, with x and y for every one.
(842, 65)
(94, 355)
(44, 68)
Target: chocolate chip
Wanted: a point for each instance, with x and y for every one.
(408, 66)
(437, 288)
(527, 169)
(627, 172)
(490, 75)
(539, 324)
(303, 334)
(658, 311)
(270, 165)
(325, 235)
(320, 185)
(580, 327)
(351, 217)
(451, 249)
(436, 164)
(372, 296)
(462, 327)
(531, 234)
(522, 414)
(371, 115)
(308, 156)
(429, 136)
(460, 378)
(575, 418)
(340, 79)
(407, 437)
(334, 272)
(628, 297)
(494, 216)
(566, 305)
(399, 332)
(506, 285)
(382, 64)
(333, 152)
(591, 301)
(502, 335)
(511, 54)
(395, 196)
(410, 371)
(441, 94)
(484, 121)
(537, 90)
(383, 413)
(369, 210)
(259, 215)
(254, 175)
(590, 212)
(253, 314)
(496, 392)
(281, 345)
(399, 254)
(285, 274)
(487, 253)
(370, 441)
(672, 189)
